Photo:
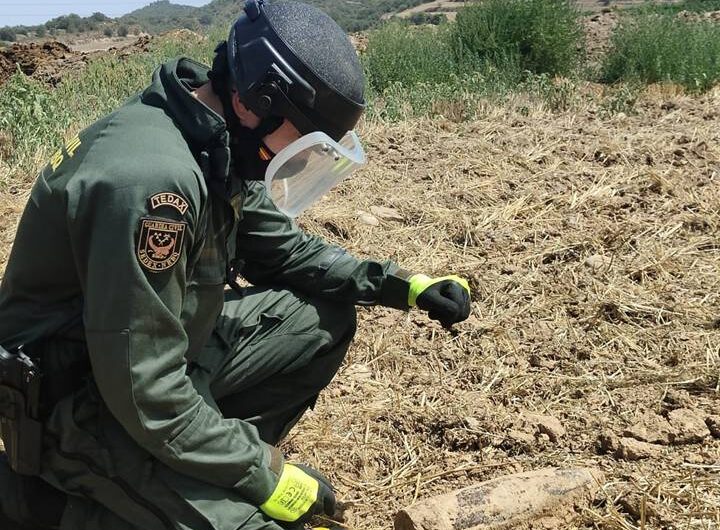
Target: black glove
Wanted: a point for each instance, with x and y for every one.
(446, 299)
(301, 492)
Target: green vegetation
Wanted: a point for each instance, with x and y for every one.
(401, 54)
(539, 36)
(36, 116)
(495, 48)
(694, 6)
(451, 69)
(656, 48)
(163, 15)
(8, 34)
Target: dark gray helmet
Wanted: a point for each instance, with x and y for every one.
(291, 60)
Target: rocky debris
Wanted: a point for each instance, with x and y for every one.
(142, 44)
(546, 498)
(675, 399)
(694, 16)
(652, 428)
(624, 448)
(368, 219)
(547, 425)
(597, 262)
(637, 506)
(598, 31)
(383, 212)
(713, 424)
(7, 68)
(690, 425)
(359, 41)
(521, 437)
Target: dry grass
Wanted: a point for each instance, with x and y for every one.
(593, 249)
(592, 244)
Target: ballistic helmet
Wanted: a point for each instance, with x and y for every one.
(291, 60)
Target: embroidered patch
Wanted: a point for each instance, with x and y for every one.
(160, 244)
(172, 200)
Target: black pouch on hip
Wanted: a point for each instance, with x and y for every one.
(20, 425)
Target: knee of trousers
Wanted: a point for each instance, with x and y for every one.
(339, 320)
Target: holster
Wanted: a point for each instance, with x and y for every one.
(20, 425)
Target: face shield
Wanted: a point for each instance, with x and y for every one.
(309, 167)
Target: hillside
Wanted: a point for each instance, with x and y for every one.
(163, 15)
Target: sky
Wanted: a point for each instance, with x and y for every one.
(32, 12)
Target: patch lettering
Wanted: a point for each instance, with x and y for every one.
(58, 156)
(172, 200)
(160, 243)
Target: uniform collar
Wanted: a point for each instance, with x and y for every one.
(172, 87)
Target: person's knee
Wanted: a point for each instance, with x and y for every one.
(339, 320)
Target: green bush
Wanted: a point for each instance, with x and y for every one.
(8, 34)
(695, 6)
(399, 53)
(539, 36)
(653, 48)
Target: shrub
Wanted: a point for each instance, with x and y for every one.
(695, 6)
(539, 36)
(7, 34)
(123, 31)
(399, 53)
(654, 48)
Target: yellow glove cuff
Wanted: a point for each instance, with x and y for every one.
(293, 497)
(420, 282)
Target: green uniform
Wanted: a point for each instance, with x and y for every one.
(163, 387)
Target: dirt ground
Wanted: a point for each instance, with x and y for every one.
(50, 61)
(593, 248)
(592, 244)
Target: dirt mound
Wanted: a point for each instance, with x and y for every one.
(598, 32)
(141, 45)
(51, 61)
(48, 61)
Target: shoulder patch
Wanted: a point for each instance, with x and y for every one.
(173, 200)
(160, 242)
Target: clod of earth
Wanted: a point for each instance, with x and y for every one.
(624, 448)
(713, 423)
(383, 212)
(547, 425)
(652, 428)
(546, 498)
(597, 261)
(690, 425)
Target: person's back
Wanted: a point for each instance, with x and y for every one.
(136, 149)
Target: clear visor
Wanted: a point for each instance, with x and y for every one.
(309, 167)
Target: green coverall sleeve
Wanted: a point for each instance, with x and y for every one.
(276, 251)
(137, 343)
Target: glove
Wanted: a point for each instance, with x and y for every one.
(446, 299)
(300, 493)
